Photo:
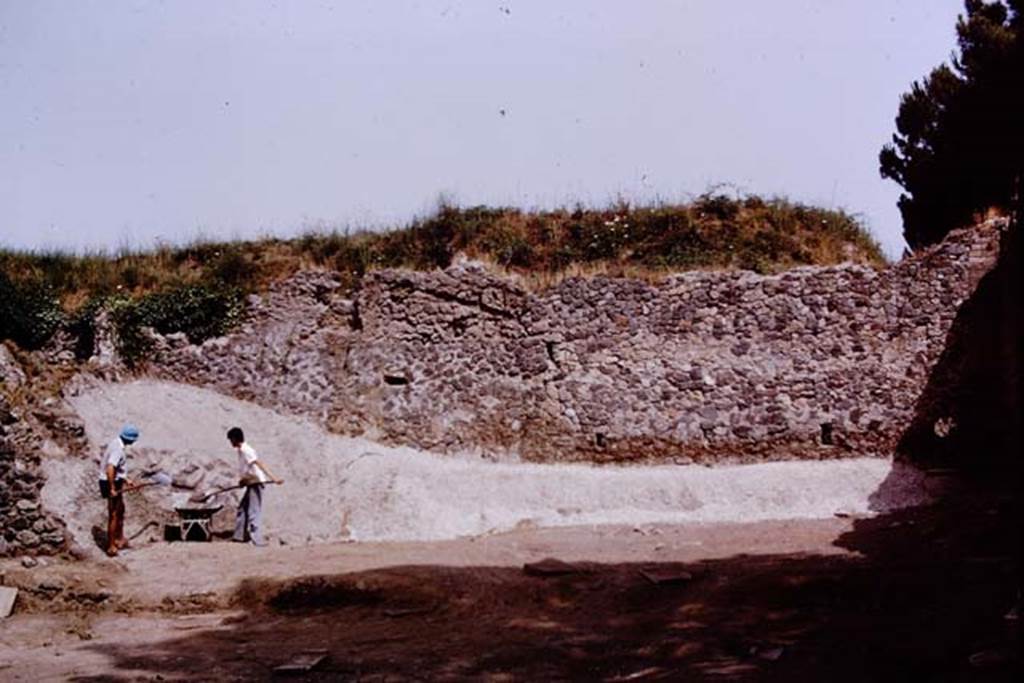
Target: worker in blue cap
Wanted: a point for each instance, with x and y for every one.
(114, 482)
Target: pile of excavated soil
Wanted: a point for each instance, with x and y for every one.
(340, 488)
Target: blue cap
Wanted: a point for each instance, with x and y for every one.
(130, 433)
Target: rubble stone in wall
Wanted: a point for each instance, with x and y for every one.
(25, 527)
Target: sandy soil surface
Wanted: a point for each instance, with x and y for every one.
(180, 576)
(918, 594)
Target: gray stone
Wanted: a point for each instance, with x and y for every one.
(51, 585)
(7, 597)
(54, 538)
(708, 413)
(27, 539)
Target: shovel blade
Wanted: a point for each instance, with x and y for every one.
(160, 479)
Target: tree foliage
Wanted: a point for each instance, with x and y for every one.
(958, 146)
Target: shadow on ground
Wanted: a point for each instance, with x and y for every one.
(929, 589)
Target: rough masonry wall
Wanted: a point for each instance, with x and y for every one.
(974, 389)
(706, 366)
(25, 526)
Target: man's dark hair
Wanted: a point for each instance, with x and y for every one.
(235, 435)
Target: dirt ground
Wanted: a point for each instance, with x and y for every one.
(920, 594)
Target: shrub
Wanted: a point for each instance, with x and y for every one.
(202, 311)
(322, 248)
(599, 236)
(30, 312)
(351, 259)
(508, 247)
(431, 243)
(718, 206)
(232, 268)
(668, 237)
(132, 343)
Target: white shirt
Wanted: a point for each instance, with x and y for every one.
(114, 455)
(247, 467)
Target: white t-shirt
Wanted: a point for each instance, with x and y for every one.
(247, 467)
(114, 455)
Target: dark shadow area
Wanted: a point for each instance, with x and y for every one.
(969, 415)
(925, 592)
(99, 536)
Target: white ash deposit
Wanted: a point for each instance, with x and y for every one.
(339, 488)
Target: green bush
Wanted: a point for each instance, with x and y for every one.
(202, 311)
(128, 319)
(599, 236)
(30, 312)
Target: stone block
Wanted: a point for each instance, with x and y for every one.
(27, 539)
(7, 597)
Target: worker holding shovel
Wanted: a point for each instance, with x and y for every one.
(113, 481)
(253, 474)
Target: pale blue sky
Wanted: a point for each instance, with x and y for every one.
(127, 123)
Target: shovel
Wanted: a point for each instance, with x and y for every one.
(154, 479)
(202, 496)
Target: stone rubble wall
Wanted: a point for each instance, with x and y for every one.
(26, 527)
(709, 367)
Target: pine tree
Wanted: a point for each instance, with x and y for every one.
(960, 132)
